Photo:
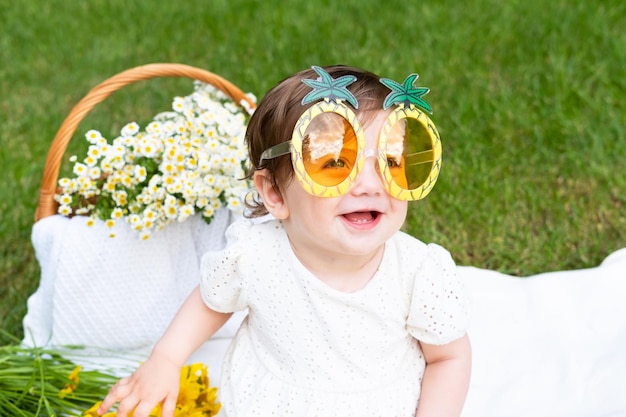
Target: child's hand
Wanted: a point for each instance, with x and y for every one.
(155, 381)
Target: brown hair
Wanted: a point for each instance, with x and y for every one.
(276, 115)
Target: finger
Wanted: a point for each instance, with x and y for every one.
(169, 406)
(127, 407)
(116, 393)
(143, 409)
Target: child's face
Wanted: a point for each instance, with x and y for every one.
(357, 223)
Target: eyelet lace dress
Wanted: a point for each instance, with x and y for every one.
(307, 349)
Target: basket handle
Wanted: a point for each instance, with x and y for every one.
(47, 205)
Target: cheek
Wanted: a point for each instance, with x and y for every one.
(401, 209)
(299, 202)
(314, 213)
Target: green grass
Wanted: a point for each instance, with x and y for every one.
(528, 96)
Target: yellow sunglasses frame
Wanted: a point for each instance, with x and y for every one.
(299, 133)
(337, 107)
(395, 190)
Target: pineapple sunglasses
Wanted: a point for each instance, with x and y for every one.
(327, 146)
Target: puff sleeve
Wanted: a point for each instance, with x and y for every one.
(222, 272)
(439, 311)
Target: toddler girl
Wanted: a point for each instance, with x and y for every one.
(347, 315)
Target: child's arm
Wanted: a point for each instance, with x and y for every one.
(157, 379)
(446, 378)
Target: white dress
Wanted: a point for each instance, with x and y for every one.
(307, 349)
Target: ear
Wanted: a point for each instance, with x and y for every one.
(271, 196)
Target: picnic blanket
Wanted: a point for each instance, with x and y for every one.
(548, 345)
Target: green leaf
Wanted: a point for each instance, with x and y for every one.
(406, 94)
(327, 87)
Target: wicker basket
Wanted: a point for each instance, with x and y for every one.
(47, 205)
(86, 299)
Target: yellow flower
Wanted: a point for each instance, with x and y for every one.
(195, 398)
(70, 386)
(93, 411)
(190, 387)
(156, 411)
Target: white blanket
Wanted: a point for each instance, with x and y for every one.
(550, 345)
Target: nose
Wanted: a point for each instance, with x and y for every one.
(369, 180)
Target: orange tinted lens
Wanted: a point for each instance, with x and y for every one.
(410, 154)
(329, 149)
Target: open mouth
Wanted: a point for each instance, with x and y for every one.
(362, 216)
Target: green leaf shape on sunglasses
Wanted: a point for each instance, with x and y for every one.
(406, 94)
(327, 87)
